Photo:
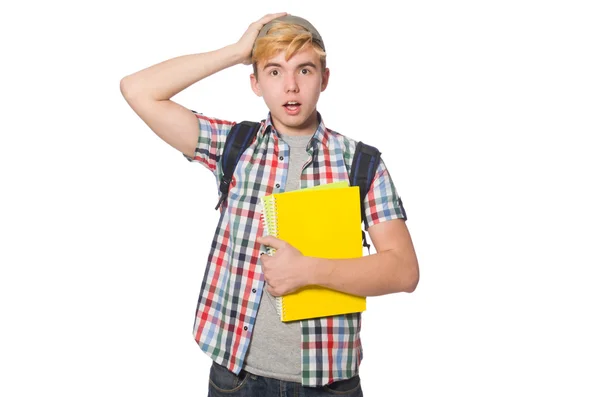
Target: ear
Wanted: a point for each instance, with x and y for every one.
(324, 79)
(255, 85)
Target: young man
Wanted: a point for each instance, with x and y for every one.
(253, 353)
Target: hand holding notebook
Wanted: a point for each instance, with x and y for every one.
(322, 222)
(287, 270)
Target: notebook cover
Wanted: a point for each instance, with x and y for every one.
(322, 222)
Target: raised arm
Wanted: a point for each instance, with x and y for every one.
(150, 90)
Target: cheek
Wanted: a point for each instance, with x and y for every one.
(269, 96)
(268, 87)
(313, 90)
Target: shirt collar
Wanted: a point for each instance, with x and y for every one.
(321, 135)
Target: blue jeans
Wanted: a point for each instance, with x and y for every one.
(224, 383)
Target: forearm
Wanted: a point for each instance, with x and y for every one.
(379, 274)
(164, 80)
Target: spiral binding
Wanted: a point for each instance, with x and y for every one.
(269, 219)
(269, 216)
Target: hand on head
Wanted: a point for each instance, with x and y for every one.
(246, 42)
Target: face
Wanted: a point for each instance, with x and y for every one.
(291, 90)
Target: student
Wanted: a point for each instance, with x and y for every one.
(253, 353)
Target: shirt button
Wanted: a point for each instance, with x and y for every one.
(245, 328)
(280, 157)
(277, 185)
(254, 290)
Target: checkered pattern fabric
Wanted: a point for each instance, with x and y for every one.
(233, 281)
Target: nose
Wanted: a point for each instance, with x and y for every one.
(290, 83)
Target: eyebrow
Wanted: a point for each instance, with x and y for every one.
(302, 65)
(271, 64)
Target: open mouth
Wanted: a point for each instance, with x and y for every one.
(292, 108)
(292, 105)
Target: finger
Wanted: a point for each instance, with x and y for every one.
(271, 241)
(269, 17)
(265, 261)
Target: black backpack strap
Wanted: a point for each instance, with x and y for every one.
(364, 166)
(238, 140)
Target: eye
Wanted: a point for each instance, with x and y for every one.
(274, 72)
(304, 71)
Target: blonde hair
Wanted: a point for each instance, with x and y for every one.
(287, 37)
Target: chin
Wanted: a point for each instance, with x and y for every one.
(296, 121)
(299, 120)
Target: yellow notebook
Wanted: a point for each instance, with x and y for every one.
(323, 222)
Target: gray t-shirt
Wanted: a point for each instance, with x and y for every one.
(274, 349)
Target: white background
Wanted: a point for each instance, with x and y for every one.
(485, 112)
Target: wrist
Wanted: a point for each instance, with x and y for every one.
(238, 55)
(318, 271)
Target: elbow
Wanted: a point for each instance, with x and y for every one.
(131, 88)
(135, 90)
(412, 281)
(408, 276)
(125, 87)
